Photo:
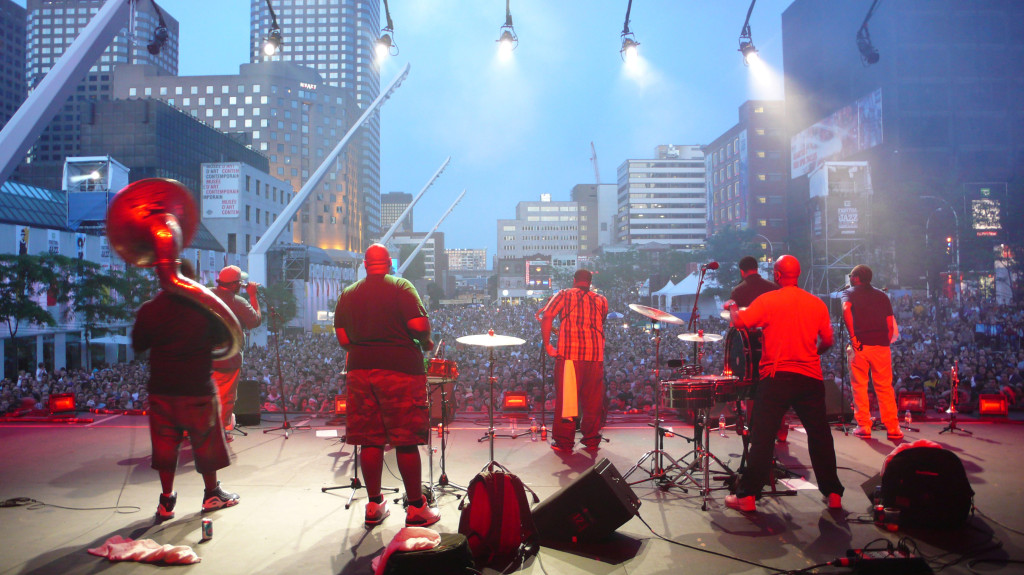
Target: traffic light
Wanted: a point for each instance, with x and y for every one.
(949, 245)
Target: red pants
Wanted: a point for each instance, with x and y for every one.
(227, 390)
(590, 396)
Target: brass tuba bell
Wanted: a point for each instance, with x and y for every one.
(148, 224)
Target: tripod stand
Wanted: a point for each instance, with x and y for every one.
(443, 485)
(954, 399)
(275, 320)
(355, 484)
(656, 472)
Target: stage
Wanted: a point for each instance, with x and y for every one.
(95, 482)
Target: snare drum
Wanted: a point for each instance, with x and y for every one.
(689, 393)
(442, 369)
(725, 386)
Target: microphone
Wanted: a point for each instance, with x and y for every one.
(844, 288)
(710, 266)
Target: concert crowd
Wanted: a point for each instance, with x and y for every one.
(983, 339)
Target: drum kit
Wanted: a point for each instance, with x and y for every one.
(697, 393)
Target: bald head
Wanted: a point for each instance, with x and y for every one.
(377, 260)
(787, 270)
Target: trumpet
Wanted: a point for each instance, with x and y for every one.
(148, 224)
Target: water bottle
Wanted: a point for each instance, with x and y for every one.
(721, 425)
(533, 429)
(906, 417)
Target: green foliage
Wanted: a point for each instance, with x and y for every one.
(24, 280)
(727, 247)
(434, 295)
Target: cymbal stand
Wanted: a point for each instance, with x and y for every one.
(954, 399)
(702, 458)
(443, 485)
(355, 484)
(656, 472)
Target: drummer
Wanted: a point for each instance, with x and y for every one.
(752, 284)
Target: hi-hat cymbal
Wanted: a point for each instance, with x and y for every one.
(725, 313)
(490, 340)
(700, 338)
(655, 314)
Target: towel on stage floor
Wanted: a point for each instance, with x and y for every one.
(119, 548)
(570, 403)
(407, 539)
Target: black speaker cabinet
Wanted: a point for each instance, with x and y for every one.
(247, 404)
(589, 509)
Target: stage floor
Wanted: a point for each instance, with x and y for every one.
(95, 482)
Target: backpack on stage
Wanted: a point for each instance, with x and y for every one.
(927, 484)
(496, 519)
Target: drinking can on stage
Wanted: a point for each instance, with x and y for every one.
(207, 529)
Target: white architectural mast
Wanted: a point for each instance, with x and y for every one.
(419, 246)
(405, 212)
(258, 254)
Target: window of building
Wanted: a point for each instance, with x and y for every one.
(247, 210)
(232, 244)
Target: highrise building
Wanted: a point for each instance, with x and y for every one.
(52, 26)
(467, 259)
(392, 204)
(746, 175)
(287, 113)
(336, 38)
(663, 199)
(597, 205)
(13, 89)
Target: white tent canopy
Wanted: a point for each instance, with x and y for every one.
(678, 298)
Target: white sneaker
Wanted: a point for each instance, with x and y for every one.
(376, 513)
(421, 516)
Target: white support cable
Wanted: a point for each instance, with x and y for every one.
(419, 246)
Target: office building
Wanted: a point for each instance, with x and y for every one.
(467, 259)
(432, 252)
(746, 172)
(597, 207)
(336, 38)
(663, 199)
(392, 204)
(543, 228)
(13, 89)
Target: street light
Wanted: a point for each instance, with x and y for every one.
(956, 235)
(771, 249)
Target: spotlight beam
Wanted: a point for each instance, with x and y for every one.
(386, 45)
(275, 39)
(746, 41)
(508, 40)
(629, 44)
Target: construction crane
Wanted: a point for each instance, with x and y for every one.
(593, 158)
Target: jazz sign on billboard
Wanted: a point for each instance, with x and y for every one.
(221, 187)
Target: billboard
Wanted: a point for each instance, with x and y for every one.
(983, 202)
(538, 274)
(845, 132)
(221, 187)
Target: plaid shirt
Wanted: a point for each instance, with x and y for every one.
(581, 323)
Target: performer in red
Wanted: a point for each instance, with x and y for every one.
(181, 336)
(797, 331)
(382, 324)
(225, 371)
(581, 313)
(869, 320)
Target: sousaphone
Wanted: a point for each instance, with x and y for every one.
(149, 222)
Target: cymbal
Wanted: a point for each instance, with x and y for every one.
(655, 314)
(725, 313)
(490, 340)
(696, 337)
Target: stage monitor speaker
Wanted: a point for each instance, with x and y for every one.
(247, 405)
(912, 401)
(834, 400)
(589, 509)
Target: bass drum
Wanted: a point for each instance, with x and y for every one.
(742, 357)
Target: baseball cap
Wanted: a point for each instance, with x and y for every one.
(231, 274)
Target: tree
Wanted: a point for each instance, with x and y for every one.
(418, 268)
(434, 295)
(24, 279)
(727, 247)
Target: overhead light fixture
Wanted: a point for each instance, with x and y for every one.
(868, 52)
(274, 40)
(386, 44)
(629, 50)
(508, 40)
(746, 41)
(160, 34)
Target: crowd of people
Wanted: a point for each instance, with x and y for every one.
(981, 337)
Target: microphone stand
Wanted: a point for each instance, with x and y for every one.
(843, 369)
(692, 326)
(275, 320)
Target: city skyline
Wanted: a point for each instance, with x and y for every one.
(520, 128)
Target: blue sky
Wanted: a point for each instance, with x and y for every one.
(519, 128)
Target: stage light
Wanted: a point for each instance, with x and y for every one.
(386, 44)
(746, 41)
(629, 51)
(868, 52)
(340, 404)
(912, 401)
(275, 40)
(516, 401)
(507, 40)
(61, 403)
(160, 34)
(993, 405)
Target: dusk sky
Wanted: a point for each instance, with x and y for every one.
(519, 128)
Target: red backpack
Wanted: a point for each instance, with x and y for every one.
(496, 519)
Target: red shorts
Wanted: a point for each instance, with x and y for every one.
(386, 407)
(170, 416)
